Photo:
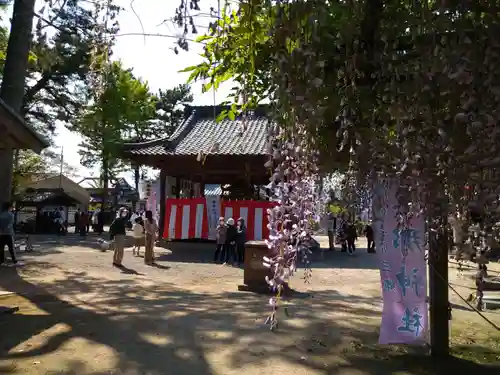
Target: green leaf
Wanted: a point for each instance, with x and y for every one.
(188, 69)
(231, 115)
(222, 116)
(203, 38)
(206, 87)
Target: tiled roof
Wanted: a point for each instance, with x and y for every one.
(200, 132)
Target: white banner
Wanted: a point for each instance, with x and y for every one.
(213, 214)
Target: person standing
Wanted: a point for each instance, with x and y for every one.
(341, 232)
(370, 240)
(117, 232)
(351, 237)
(100, 221)
(84, 217)
(230, 241)
(241, 238)
(331, 227)
(220, 239)
(7, 233)
(151, 228)
(78, 214)
(138, 233)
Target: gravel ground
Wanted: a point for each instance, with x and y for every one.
(79, 315)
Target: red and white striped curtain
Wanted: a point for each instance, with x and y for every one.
(187, 218)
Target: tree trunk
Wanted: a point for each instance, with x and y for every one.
(137, 176)
(438, 281)
(163, 199)
(105, 183)
(14, 77)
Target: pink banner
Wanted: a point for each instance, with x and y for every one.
(400, 243)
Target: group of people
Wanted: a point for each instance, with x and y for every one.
(343, 231)
(84, 220)
(230, 240)
(51, 221)
(143, 230)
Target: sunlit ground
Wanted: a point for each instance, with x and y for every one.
(78, 315)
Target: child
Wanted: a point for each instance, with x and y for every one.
(370, 238)
(138, 234)
(230, 241)
(220, 238)
(241, 234)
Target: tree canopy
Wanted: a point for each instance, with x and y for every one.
(401, 87)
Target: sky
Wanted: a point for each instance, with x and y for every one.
(152, 58)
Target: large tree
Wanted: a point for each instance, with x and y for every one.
(409, 88)
(170, 106)
(58, 78)
(121, 109)
(12, 89)
(53, 84)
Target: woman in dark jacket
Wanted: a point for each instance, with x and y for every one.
(230, 240)
(241, 238)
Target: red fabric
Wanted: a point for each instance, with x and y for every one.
(236, 207)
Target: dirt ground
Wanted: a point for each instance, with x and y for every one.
(79, 315)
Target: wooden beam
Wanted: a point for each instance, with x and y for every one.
(177, 187)
(163, 196)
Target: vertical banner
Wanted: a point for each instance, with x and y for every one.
(400, 243)
(213, 213)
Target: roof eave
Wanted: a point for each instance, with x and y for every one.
(36, 141)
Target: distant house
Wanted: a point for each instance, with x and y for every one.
(120, 193)
(50, 193)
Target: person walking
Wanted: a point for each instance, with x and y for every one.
(241, 238)
(150, 228)
(220, 239)
(7, 233)
(117, 232)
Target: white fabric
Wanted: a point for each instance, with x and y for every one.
(137, 230)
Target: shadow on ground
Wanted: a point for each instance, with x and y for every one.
(203, 252)
(163, 329)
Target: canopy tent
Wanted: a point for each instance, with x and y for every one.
(58, 184)
(45, 197)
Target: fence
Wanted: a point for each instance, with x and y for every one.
(188, 218)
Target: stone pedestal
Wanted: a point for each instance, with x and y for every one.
(254, 273)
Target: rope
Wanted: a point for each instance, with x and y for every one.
(463, 299)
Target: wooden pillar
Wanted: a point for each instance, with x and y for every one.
(163, 200)
(202, 186)
(249, 191)
(177, 187)
(191, 188)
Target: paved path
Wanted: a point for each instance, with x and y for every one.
(79, 315)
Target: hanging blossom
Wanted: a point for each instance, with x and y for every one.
(294, 188)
